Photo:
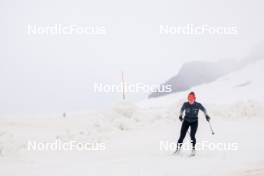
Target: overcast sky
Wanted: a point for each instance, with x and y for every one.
(56, 73)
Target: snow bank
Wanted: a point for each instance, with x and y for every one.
(90, 126)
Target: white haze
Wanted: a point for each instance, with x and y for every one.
(43, 74)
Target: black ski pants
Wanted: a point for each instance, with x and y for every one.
(184, 128)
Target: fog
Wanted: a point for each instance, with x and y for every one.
(56, 73)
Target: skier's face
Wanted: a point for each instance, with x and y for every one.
(191, 99)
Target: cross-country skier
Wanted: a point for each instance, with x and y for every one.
(190, 119)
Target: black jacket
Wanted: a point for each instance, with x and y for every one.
(191, 111)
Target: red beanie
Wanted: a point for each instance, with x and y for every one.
(191, 96)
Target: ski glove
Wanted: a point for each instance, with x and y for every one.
(207, 118)
(180, 117)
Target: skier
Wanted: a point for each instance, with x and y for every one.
(190, 119)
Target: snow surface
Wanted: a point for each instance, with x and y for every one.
(132, 134)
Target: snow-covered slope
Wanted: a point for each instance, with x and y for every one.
(132, 135)
(199, 72)
(237, 94)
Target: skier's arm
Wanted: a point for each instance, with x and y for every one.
(182, 109)
(202, 108)
(181, 112)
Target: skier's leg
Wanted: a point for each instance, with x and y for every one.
(184, 129)
(194, 127)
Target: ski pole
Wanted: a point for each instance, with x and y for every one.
(211, 128)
